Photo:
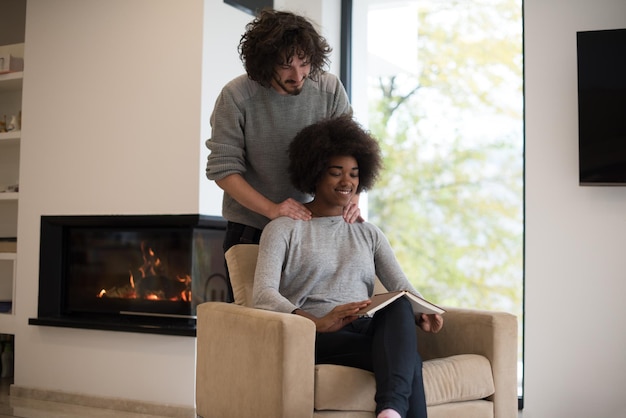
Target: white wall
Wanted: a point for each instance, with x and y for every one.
(575, 263)
(112, 125)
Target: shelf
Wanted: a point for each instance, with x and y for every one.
(9, 138)
(11, 81)
(7, 323)
(10, 196)
(8, 294)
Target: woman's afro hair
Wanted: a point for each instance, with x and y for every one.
(314, 146)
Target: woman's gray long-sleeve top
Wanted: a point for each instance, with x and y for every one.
(318, 264)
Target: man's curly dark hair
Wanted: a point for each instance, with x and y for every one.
(314, 146)
(274, 38)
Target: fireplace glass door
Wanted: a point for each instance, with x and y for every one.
(151, 271)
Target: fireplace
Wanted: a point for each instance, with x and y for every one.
(136, 273)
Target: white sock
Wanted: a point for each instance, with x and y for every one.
(388, 413)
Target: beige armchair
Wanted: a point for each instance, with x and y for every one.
(253, 363)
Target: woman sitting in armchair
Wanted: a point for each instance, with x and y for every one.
(324, 269)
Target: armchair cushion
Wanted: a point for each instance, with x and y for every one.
(463, 377)
(452, 379)
(343, 388)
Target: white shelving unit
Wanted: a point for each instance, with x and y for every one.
(10, 138)
(10, 105)
(12, 37)
(11, 81)
(9, 196)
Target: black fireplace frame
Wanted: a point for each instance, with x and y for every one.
(52, 263)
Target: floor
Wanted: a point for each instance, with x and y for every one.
(32, 408)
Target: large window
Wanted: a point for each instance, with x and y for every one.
(440, 83)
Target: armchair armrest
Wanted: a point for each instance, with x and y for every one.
(491, 334)
(252, 362)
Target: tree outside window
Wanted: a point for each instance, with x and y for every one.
(440, 83)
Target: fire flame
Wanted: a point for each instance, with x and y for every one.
(150, 283)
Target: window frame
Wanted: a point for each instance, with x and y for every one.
(345, 75)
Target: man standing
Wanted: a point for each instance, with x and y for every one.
(256, 116)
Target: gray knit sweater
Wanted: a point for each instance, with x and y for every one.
(318, 264)
(252, 127)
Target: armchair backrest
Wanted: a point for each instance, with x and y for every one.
(241, 260)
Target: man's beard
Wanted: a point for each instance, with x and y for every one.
(288, 87)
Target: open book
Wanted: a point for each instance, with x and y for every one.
(420, 305)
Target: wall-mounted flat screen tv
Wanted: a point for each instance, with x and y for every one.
(602, 107)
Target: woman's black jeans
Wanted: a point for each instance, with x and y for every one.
(387, 346)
